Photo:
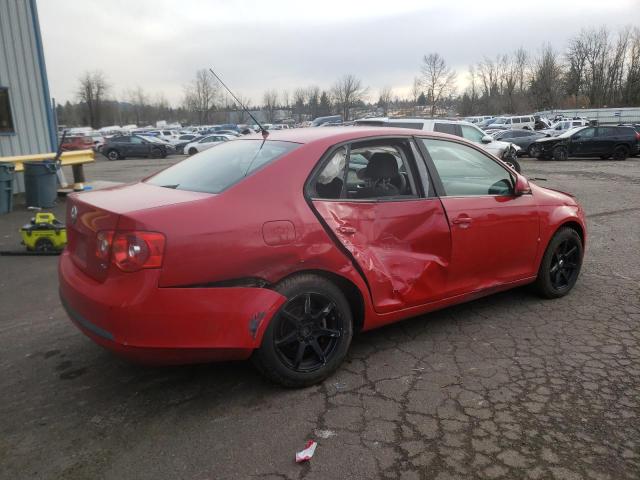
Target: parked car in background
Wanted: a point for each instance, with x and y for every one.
(205, 143)
(184, 140)
(506, 151)
(281, 249)
(98, 140)
(603, 141)
(77, 142)
(169, 135)
(526, 122)
(525, 139)
(478, 119)
(564, 125)
(123, 146)
(316, 122)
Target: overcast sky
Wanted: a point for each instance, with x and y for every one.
(260, 45)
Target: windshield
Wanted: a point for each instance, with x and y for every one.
(219, 167)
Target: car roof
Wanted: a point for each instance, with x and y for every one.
(341, 134)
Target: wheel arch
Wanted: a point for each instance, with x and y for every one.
(349, 288)
(575, 226)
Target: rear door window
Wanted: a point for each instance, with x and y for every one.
(450, 128)
(222, 166)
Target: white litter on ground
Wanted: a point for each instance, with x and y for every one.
(307, 453)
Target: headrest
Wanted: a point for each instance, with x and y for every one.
(381, 165)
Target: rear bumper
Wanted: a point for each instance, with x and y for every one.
(129, 315)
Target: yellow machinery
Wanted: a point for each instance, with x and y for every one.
(44, 234)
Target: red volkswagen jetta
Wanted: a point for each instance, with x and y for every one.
(281, 249)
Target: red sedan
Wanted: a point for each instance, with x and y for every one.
(279, 250)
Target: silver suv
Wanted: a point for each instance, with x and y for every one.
(505, 151)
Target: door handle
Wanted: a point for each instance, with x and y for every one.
(462, 221)
(347, 230)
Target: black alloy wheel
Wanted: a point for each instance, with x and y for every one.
(156, 153)
(308, 331)
(308, 338)
(561, 264)
(565, 264)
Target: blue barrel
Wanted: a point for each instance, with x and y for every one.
(6, 187)
(41, 183)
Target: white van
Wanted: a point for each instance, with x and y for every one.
(526, 122)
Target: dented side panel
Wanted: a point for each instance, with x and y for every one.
(402, 247)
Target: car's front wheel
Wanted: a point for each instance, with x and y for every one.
(561, 264)
(192, 151)
(560, 153)
(307, 340)
(534, 150)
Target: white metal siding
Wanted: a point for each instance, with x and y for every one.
(20, 72)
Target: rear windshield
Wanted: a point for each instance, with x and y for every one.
(219, 167)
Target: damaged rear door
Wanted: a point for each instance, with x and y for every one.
(376, 201)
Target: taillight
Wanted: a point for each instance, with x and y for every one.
(103, 245)
(131, 251)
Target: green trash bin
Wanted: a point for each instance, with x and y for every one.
(6, 187)
(41, 183)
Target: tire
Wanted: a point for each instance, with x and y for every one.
(44, 245)
(560, 153)
(297, 349)
(156, 153)
(534, 151)
(620, 153)
(560, 265)
(113, 155)
(513, 163)
(192, 151)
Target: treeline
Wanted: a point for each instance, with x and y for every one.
(597, 68)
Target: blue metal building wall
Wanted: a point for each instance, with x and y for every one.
(22, 70)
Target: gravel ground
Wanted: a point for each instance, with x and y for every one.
(509, 386)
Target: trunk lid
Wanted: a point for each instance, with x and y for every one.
(91, 212)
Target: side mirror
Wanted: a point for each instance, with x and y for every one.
(487, 139)
(522, 186)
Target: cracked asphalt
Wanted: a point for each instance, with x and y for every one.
(509, 386)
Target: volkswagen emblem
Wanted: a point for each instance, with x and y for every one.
(74, 214)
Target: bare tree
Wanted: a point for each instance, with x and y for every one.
(139, 101)
(416, 90)
(201, 95)
(438, 80)
(347, 92)
(545, 85)
(386, 94)
(270, 101)
(285, 99)
(92, 92)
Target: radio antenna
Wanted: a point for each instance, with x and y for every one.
(263, 131)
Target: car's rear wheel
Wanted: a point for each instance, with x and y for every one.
(560, 265)
(113, 155)
(307, 340)
(192, 151)
(560, 153)
(534, 150)
(620, 153)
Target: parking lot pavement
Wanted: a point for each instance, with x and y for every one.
(509, 386)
